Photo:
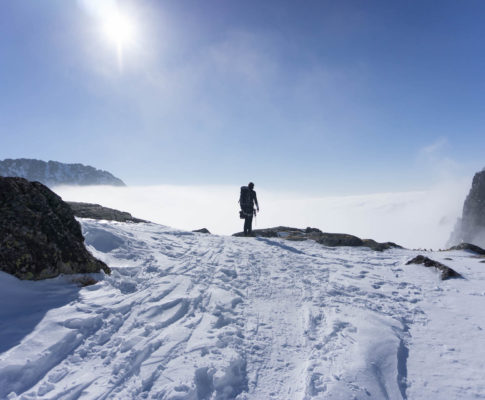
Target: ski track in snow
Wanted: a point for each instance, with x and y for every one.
(194, 316)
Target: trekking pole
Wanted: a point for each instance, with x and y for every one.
(254, 211)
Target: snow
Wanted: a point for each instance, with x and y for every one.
(195, 316)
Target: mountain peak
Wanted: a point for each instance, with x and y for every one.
(52, 173)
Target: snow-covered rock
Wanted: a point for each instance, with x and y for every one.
(446, 272)
(54, 173)
(192, 316)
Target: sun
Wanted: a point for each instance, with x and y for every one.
(119, 29)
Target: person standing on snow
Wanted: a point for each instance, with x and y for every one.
(247, 201)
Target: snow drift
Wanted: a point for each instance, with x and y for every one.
(194, 316)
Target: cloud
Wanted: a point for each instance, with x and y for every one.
(412, 219)
(434, 159)
(435, 148)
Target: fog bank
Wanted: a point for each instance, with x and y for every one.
(421, 219)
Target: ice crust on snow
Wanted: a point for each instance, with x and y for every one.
(190, 316)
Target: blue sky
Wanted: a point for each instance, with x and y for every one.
(334, 97)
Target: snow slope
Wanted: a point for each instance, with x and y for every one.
(194, 316)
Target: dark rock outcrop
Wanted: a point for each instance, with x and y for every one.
(279, 231)
(54, 173)
(96, 211)
(39, 236)
(470, 228)
(446, 272)
(469, 247)
(203, 230)
(326, 239)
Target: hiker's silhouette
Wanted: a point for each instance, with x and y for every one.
(247, 201)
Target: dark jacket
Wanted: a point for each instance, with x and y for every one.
(248, 207)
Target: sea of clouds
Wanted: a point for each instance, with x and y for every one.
(419, 219)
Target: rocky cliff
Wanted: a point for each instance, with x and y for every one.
(39, 236)
(470, 228)
(54, 173)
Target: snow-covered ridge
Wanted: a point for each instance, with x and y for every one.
(54, 173)
(194, 316)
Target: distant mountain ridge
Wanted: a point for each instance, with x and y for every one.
(54, 173)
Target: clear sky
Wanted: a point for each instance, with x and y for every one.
(322, 96)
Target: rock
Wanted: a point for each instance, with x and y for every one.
(312, 230)
(203, 230)
(468, 247)
(96, 211)
(279, 231)
(39, 236)
(380, 246)
(336, 239)
(471, 227)
(54, 173)
(446, 272)
(324, 238)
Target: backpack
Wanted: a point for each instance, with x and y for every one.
(245, 196)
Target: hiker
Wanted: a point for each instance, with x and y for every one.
(247, 200)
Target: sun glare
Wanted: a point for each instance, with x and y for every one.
(119, 29)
